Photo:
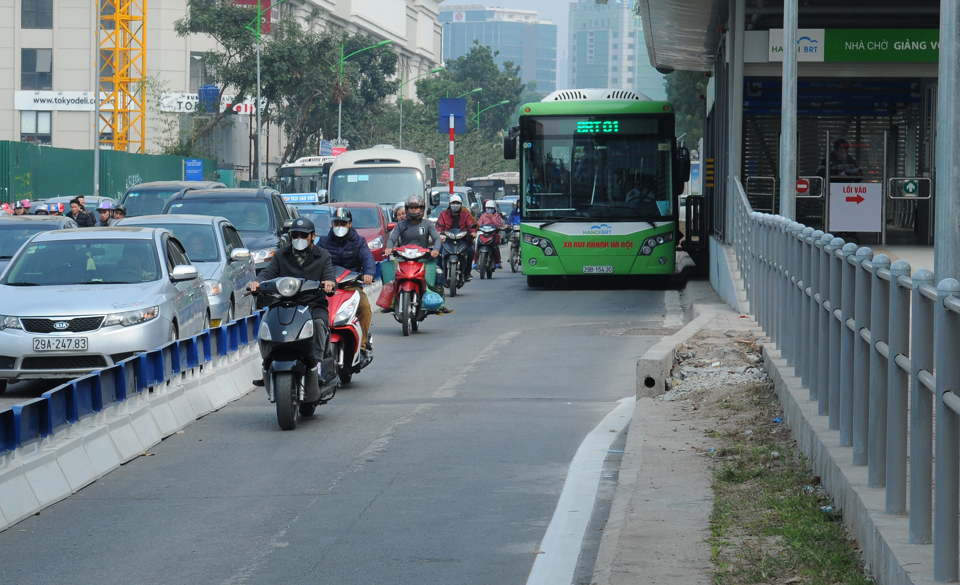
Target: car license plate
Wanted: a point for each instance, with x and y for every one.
(59, 344)
(598, 269)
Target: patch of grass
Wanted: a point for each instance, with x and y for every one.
(770, 521)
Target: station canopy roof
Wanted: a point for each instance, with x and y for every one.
(685, 34)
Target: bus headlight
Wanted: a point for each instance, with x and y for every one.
(543, 243)
(652, 242)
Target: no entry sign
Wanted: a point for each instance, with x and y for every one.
(803, 186)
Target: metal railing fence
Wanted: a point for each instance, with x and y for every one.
(872, 343)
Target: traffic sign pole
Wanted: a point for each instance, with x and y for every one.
(451, 154)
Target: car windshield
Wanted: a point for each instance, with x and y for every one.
(505, 207)
(365, 217)
(13, 236)
(246, 214)
(319, 216)
(199, 241)
(384, 185)
(66, 262)
(147, 201)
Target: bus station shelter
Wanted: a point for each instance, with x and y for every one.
(867, 73)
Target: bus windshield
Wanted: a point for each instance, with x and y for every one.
(596, 167)
(488, 188)
(303, 179)
(375, 185)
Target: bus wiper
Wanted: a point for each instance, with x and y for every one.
(23, 284)
(559, 219)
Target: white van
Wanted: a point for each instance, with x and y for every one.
(382, 174)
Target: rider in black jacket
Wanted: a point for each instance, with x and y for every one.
(301, 259)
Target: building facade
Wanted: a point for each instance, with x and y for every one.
(519, 36)
(607, 49)
(47, 73)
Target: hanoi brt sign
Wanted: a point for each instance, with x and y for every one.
(856, 207)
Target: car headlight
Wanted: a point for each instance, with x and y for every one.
(288, 286)
(128, 318)
(264, 332)
(346, 311)
(263, 255)
(307, 331)
(9, 323)
(212, 287)
(376, 243)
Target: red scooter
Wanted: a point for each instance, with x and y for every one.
(410, 286)
(345, 330)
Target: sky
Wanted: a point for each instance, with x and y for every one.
(556, 11)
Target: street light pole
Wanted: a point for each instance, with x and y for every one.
(479, 111)
(258, 22)
(400, 90)
(340, 79)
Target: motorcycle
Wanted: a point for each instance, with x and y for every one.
(411, 285)
(515, 247)
(456, 259)
(286, 345)
(486, 250)
(345, 330)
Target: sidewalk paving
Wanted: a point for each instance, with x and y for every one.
(660, 517)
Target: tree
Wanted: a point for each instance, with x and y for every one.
(684, 91)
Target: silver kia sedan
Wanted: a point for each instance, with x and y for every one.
(75, 301)
(215, 248)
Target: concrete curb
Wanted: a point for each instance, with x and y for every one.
(885, 540)
(43, 473)
(655, 366)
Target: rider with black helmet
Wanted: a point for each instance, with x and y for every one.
(301, 259)
(119, 212)
(349, 250)
(19, 209)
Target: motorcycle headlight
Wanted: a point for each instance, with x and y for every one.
(288, 286)
(307, 331)
(212, 287)
(9, 323)
(376, 243)
(263, 255)
(346, 311)
(265, 331)
(129, 318)
(410, 254)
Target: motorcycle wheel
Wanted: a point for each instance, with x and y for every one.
(307, 409)
(452, 277)
(405, 311)
(514, 258)
(482, 264)
(344, 371)
(414, 313)
(288, 400)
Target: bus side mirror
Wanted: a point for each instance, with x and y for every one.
(510, 143)
(681, 169)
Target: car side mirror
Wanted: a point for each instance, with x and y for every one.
(240, 254)
(434, 199)
(287, 224)
(391, 225)
(182, 272)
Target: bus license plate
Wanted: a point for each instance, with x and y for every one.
(59, 344)
(598, 269)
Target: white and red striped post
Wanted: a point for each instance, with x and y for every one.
(451, 154)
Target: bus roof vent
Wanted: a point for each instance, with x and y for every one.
(384, 146)
(595, 94)
(313, 159)
(378, 161)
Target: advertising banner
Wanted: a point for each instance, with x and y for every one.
(188, 103)
(63, 101)
(860, 45)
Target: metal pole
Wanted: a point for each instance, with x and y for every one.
(879, 332)
(96, 100)
(451, 154)
(946, 249)
(848, 295)
(921, 413)
(897, 399)
(946, 497)
(340, 99)
(788, 115)
(735, 39)
(835, 331)
(257, 140)
(861, 360)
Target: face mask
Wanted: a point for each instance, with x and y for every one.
(301, 244)
(455, 207)
(340, 231)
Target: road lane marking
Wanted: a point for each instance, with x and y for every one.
(556, 559)
(674, 317)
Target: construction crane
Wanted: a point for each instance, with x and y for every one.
(122, 62)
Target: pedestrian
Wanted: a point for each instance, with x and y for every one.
(842, 167)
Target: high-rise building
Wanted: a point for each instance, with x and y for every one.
(519, 36)
(607, 49)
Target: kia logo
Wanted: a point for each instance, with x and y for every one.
(61, 325)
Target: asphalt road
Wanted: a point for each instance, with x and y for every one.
(441, 463)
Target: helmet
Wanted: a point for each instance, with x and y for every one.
(302, 225)
(456, 199)
(105, 206)
(18, 205)
(342, 214)
(489, 204)
(400, 205)
(42, 210)
(417, 201)
(26, 203)
(121, 208)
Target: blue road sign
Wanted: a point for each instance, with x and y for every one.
(193, 169)
(457, 107)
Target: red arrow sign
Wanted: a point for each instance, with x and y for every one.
(858, 199)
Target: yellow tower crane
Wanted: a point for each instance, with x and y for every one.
(122, 62)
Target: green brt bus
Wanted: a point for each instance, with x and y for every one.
(600, 175)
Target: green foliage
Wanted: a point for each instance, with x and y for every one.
(684, 89)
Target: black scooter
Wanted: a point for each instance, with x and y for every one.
(287, 346)
(456, 258)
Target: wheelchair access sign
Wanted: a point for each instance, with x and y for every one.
(856, 207)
